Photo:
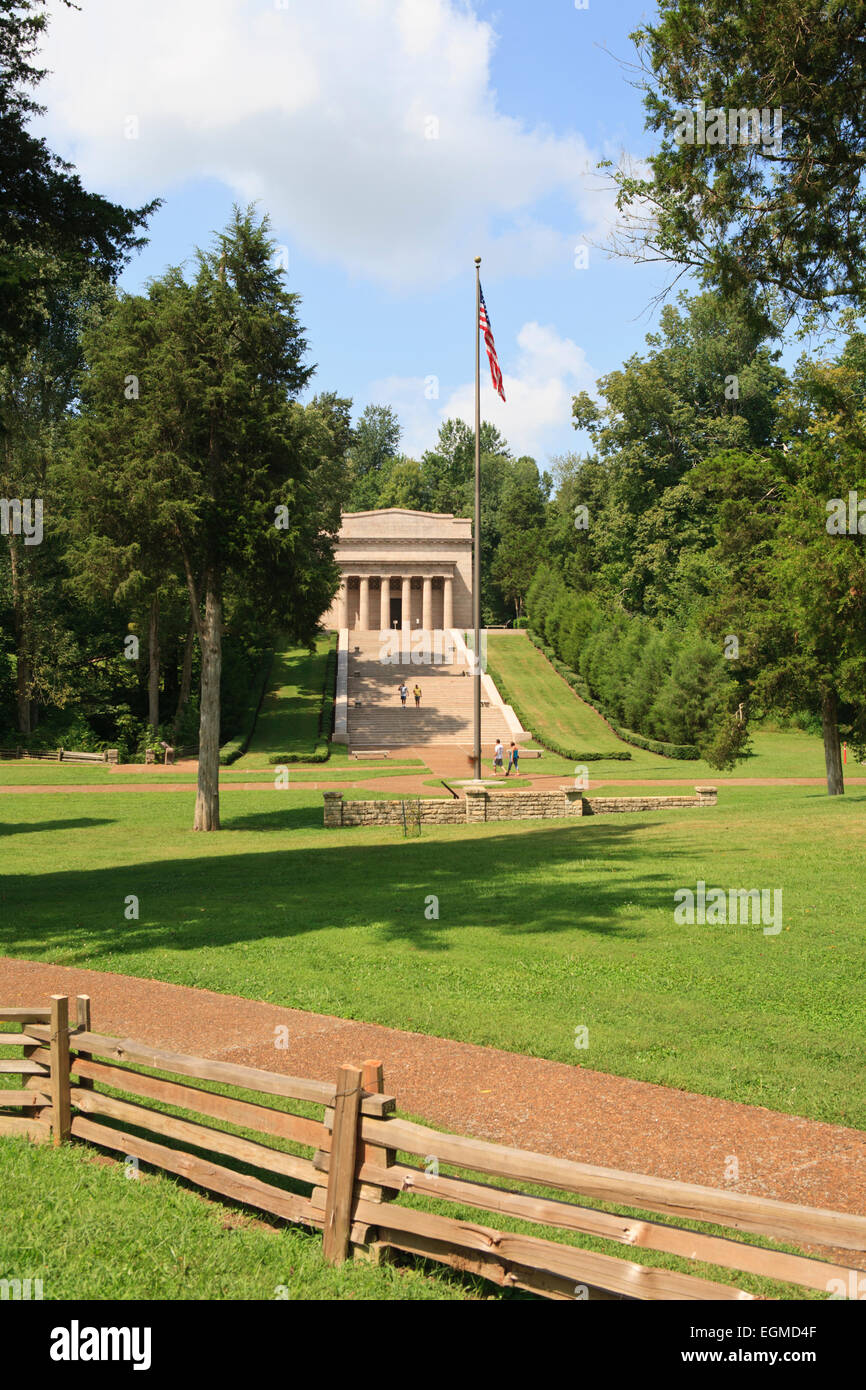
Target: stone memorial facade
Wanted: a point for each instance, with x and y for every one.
(403, 569)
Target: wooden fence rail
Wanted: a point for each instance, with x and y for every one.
(58, 755)
(88, 1086)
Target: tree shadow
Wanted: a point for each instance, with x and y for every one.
(30, 827)
(511, 884)
(286, 819)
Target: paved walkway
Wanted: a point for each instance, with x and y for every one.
(505, 1097)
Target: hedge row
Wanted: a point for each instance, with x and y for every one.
(329, 692)
(545, 740)
(236, 747)
(320, 754)
(684, 752)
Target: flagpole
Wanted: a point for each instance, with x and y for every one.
(476, 586)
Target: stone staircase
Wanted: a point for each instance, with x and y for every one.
(445, 715)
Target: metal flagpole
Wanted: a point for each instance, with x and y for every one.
(476, 577)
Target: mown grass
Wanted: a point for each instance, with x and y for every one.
(541, 927)
(89, 1232)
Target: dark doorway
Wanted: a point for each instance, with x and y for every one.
(396, 609)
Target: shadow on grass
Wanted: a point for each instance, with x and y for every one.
(30, 828)
(515, 885)
(286, 819)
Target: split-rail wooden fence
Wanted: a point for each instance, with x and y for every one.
(368, 1202)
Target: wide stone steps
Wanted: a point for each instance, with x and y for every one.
(446, 713)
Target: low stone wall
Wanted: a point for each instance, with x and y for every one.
(530, 805)
(434, 811)
(483, 805)
(605, 805)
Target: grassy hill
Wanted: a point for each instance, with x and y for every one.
(289, 718)
(552, 710)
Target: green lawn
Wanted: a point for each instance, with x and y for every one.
(542, 927)
(89, 1232)
(554, 711)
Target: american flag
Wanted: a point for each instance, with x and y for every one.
(484, 325)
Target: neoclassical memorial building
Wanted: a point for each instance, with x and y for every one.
(403, 569)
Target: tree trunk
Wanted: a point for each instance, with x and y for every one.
(153, 666)
(207, 802)
(22, 660)
(186, 677)
(832, 745)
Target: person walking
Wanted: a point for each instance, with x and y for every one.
(404, 691)
(513, 757)
(417, 693)
(497, 757)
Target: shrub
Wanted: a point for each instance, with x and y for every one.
(321, 754)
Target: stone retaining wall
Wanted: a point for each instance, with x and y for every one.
(604, 805)
(483, 805)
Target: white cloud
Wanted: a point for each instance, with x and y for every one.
(323, 110)
(535, 417)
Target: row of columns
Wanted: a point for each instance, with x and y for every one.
(406, 602)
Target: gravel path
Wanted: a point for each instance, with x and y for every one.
(505, 1097)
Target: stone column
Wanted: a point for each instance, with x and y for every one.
(364, 612)
(407, 602)
(476, 803)
(573, 801)
(343, 603)
(333, 809)
(427, 605)
(448, 603)
(385, 603)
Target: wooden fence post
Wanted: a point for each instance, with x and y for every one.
(374, 1251)
(341, 1168)
(61, 1108)
(82, 1025)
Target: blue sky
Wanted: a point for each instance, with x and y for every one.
(390, 141)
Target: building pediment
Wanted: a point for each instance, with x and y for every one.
(400, 523)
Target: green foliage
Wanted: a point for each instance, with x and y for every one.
(51, 228)
(791, 587)
(373, 450)
(329, 692)
(660, 415)
(665, 749)
(781, 221)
